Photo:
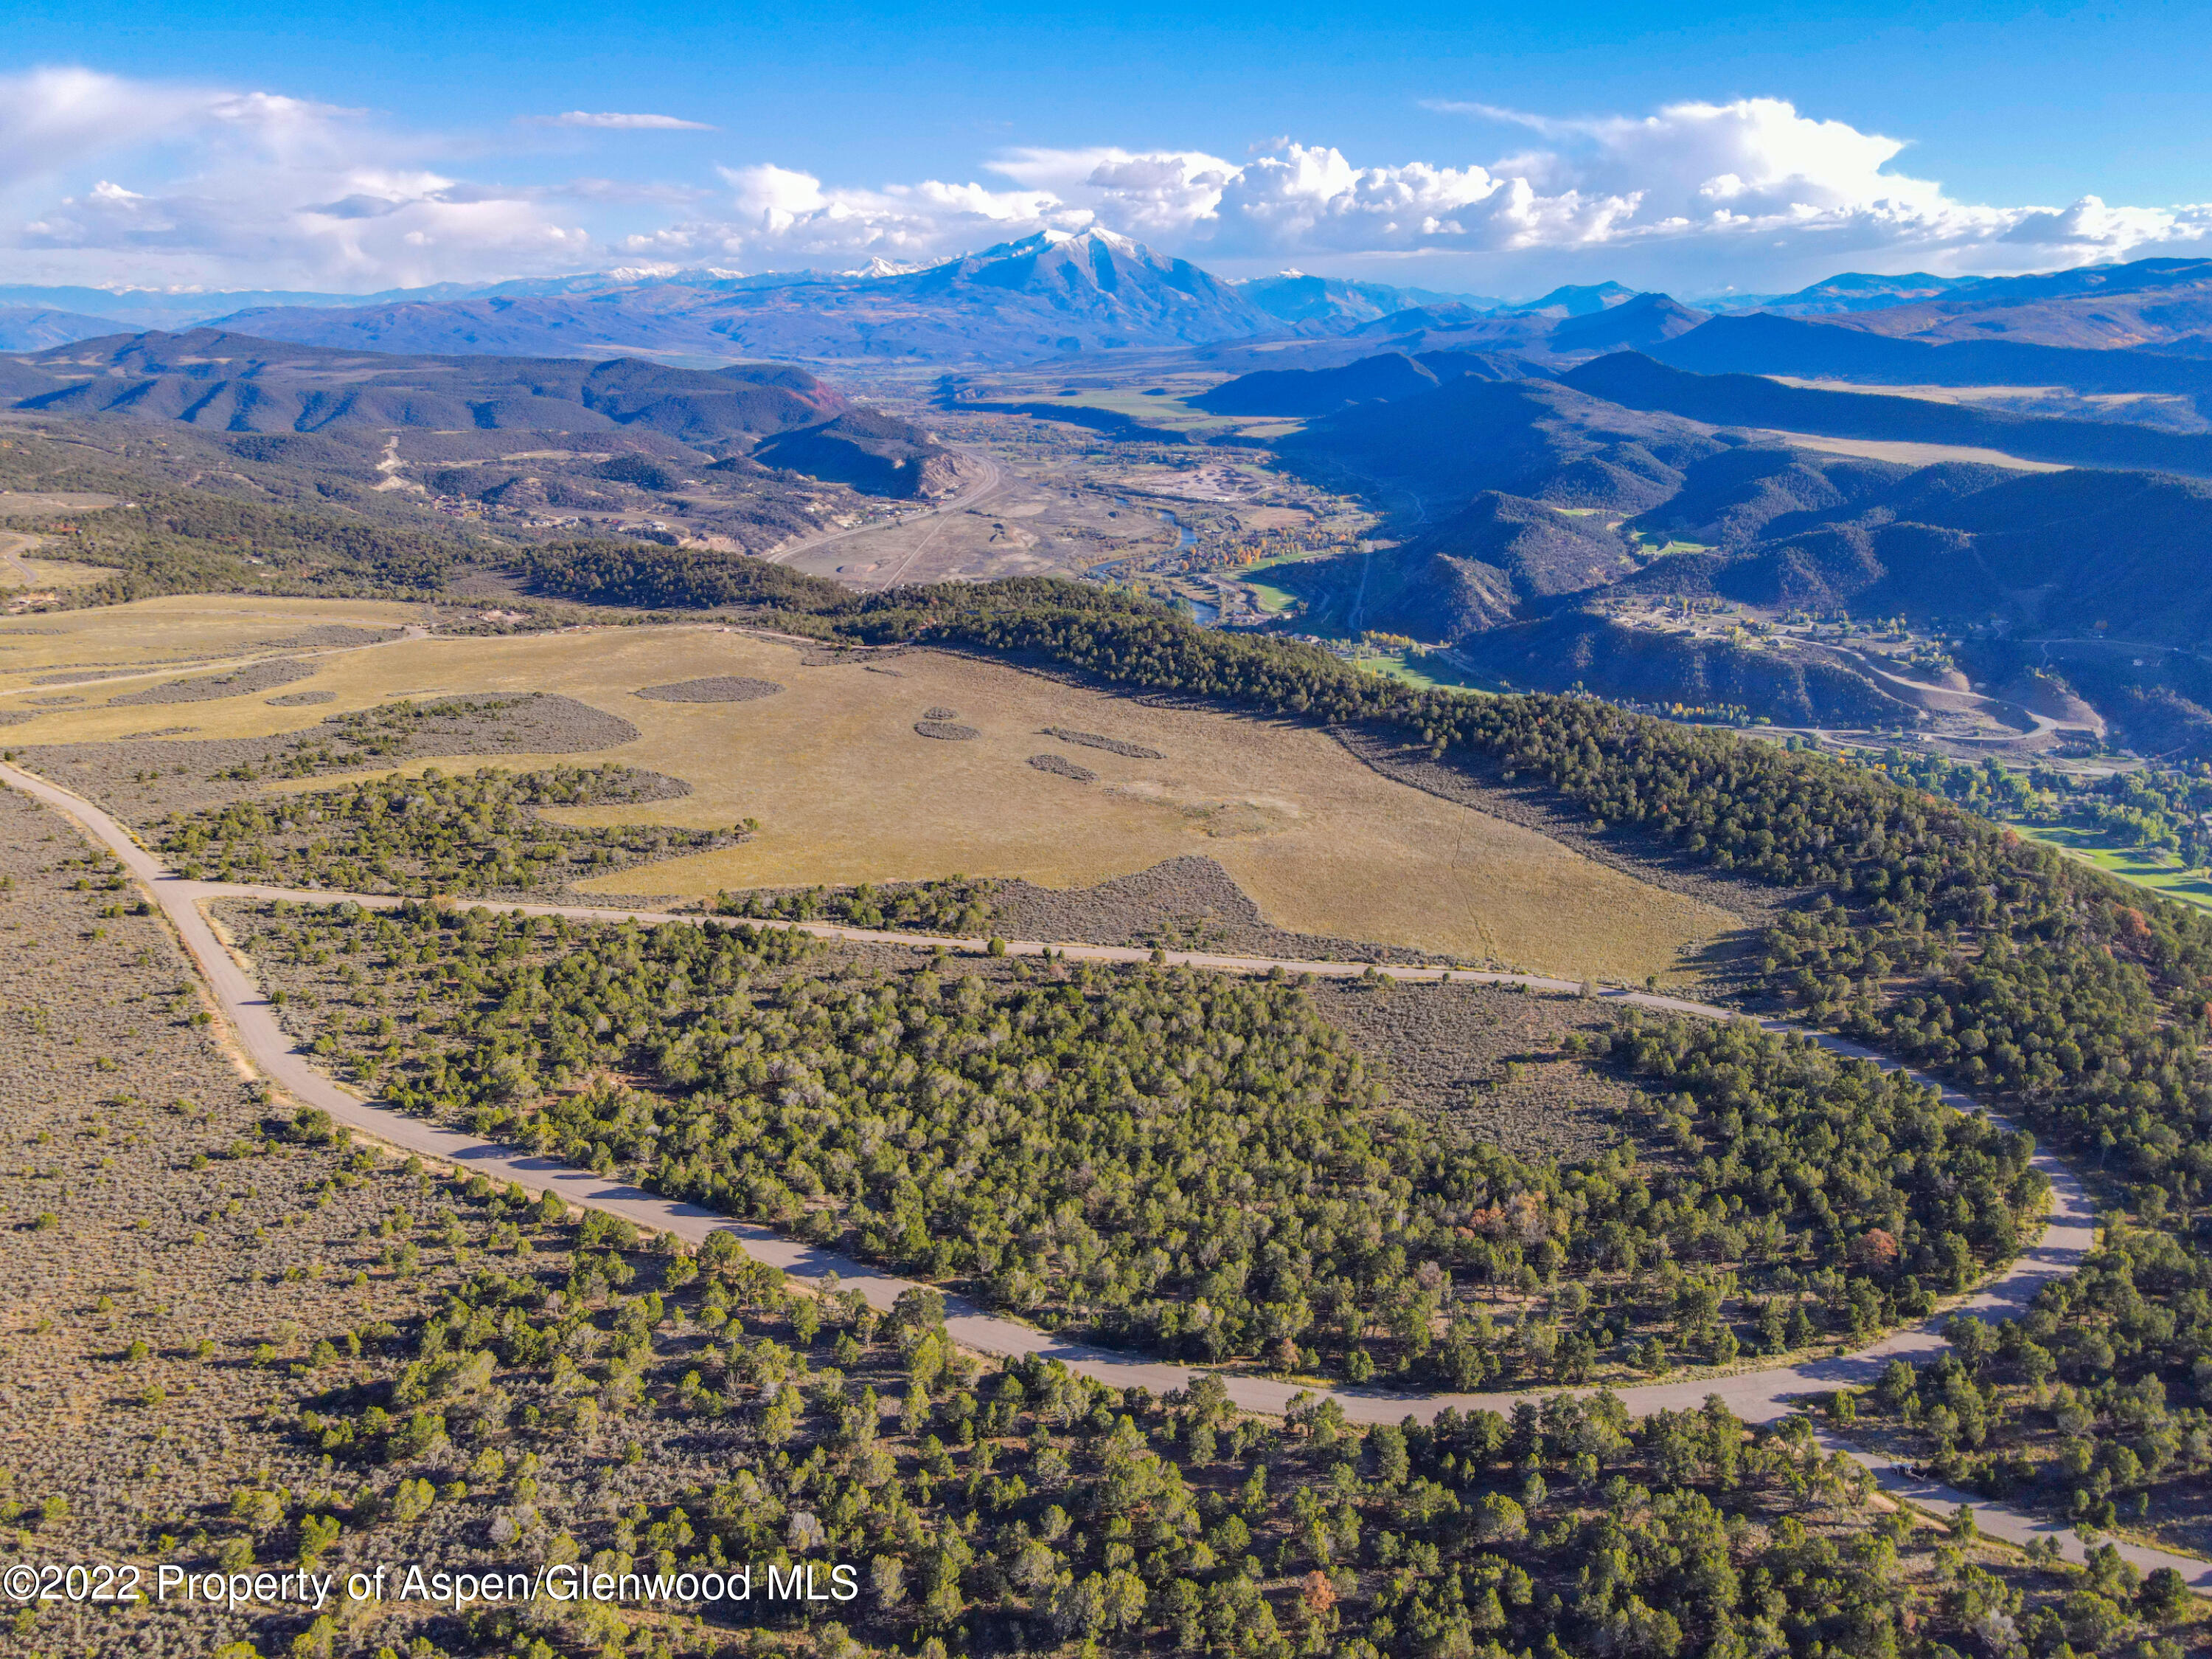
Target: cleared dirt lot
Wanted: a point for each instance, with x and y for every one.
(847, 792)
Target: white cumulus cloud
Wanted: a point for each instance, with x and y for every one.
(52, 118)
(1752, 182)
(780, 213)
(104, 180)
(109, 180)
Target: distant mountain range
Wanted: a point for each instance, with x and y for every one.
(2161, 303)
(1851, 291)
(1332, 302)
(1047, 294)
(1056, 294)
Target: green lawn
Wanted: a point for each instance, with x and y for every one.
(1272, 599)
(1170, 413)
(2133, 864)
(1429, 673)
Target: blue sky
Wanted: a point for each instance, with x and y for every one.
(1501, 149)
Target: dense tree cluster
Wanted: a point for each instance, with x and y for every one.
(953, 905)
(432, 833)
(1191, 1162)
(609, 572)
(2161, 808)
(1018, 1507)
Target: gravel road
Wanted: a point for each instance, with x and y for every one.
(1755, 1396)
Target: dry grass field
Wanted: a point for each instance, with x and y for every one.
(58, 647)
(1913, 454)
(848, 791)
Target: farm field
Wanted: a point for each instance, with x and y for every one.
(846, 790)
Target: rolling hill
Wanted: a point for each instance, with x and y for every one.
(232, 382)
(1527, 506)
(1381, 379)
(1536, 439)
(33, 328)
(1763, 344)
(1476, 571)
(1640, 382)
(2081, 553)
(874, 453)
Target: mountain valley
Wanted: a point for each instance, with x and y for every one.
(1597, 489)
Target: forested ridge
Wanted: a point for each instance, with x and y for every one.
(2081, 1005)
(606, 570)
(1187, 1162)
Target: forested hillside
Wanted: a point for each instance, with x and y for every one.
(1182, 1162)
(2082, 1005)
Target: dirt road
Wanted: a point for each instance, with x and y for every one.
(1756, 1396)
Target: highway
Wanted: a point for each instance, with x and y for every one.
(1754, 1396)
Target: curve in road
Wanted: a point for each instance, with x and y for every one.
(13, 546)
(1755, 1396)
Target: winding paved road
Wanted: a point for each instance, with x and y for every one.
(1755, 1396)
